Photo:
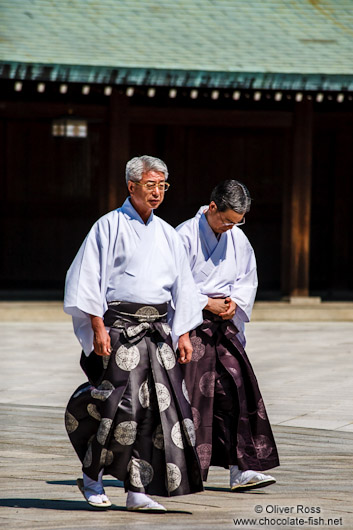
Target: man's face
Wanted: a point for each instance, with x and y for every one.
(145, 194)
(222, 221)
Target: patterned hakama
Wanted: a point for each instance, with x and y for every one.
(230, 418)
(133, 417)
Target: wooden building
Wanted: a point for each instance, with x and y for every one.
(260, 92)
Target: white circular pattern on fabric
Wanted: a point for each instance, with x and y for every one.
(173, 477)
(196, 417)
(166, 328)
(105, 361)
(163, 397)
(204, 451)
(103, 430)
(185, 391)
(103, 391)
(263, 446)
(207, 383)
(87, 461)
(198, 349)
(140, 472)
(261, 411)
(146, 312)
(127, 358)
(106, 458)
(92, 411)
(177, 436)
(71, 422)
(158, 438)
(144, 395)
(189, 431)
(106, 385)
(109, 458)
(125, 432)
(165, 355)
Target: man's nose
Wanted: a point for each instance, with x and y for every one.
(156, 191)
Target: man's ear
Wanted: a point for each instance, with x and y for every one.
(130, 185)
(212, 207)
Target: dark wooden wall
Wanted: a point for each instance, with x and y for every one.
(296, 161)
(51, 192)
(331, 249)
(200, 157)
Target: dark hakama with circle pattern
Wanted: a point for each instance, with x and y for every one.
(133, 418)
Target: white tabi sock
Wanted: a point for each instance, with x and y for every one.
(241, 478)
(135, 498)
(139, 500)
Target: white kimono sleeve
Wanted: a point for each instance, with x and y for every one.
(85, 285)
(185, 311)
(243, 290)
(189, 238)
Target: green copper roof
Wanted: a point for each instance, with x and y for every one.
(265, 43)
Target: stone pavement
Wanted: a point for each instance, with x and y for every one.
(306, 377)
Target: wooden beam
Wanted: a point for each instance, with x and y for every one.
(39, 110)
(299, 202)
(210, 117)
(118, 149)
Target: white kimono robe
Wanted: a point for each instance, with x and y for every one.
(221, 267)
(122, 258)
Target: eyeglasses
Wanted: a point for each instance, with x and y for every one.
(150, 186)
(242, 222)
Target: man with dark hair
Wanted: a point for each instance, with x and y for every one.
(232, 428)
(129, 286)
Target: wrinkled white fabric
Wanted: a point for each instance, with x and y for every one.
(122, 258)
(221, 267)
(240, 478)
(141, 501)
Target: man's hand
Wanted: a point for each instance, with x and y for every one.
(217, 305)
(230, 312)
(185, 349)
(101, 340)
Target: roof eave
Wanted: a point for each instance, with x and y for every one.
(126, 76)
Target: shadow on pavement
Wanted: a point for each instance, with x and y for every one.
(49, 504)
(106, 483)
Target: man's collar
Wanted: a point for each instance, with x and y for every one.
(128, 209)
(206, 227)
(201, 210)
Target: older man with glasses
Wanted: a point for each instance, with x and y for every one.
(232, 427)
(129, 286)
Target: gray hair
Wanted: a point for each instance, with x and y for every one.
(142, 164)
(231, 195)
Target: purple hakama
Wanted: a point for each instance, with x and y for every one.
(232, 427)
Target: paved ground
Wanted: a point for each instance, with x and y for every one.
(306, 377)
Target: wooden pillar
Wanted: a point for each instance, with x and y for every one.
(341, 212)
(118, 149)
(297, 206)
